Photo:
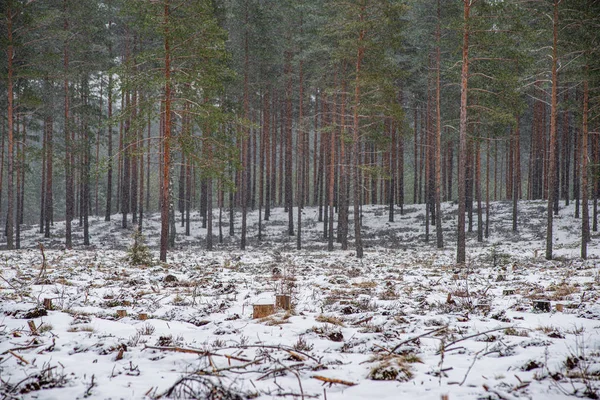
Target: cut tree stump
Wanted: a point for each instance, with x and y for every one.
(541, 305)
(32, 327)
(559, 307)
(142, 316)
(508, 292)
(121, 313)
(262, 310)
(48, 304)
(283, 301)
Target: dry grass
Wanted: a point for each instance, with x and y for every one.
(393, 367)
(81, 328)
(330, 320)
(365, 285)
(276, 319)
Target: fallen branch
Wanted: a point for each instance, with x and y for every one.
(475, 335)
(362, 321)
(18, 357)
(194, 351)
(33, 346)
(415, 338)
(331, 381)
(287, 349)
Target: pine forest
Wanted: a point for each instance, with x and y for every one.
(302, 199)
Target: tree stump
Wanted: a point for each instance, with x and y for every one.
(142, 316)
(262, 310)
(48, 304)
(541, 305)
(283, 301)
(559, 307)
(32, 327)
(508, 292)
(121, 313)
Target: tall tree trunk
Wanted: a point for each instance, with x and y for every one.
(300, 176)
(356, 137)
(552, 144)
(478, 190)
(244, 144)
(289, 200)
(332, 162)
(566, 152)
(487, 188)
(141, 196)
(69, 189)
(462, 152)
(391, 130)
(209, 201)
(48, 198)
(2, 163)
(267, 146)
(10, 218)
(166, 155)
(438, 136)
(585, 218)
(43, 182)
(415, 157)
(516, 174)
(109, 173)
(126, 179)
(18, 168)
(85, 166)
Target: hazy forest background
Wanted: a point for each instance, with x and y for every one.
(135, 107)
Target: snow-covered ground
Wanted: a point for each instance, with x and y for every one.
(402, 323)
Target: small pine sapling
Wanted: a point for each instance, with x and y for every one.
(139, 253)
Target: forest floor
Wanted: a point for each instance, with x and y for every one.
(401, 323)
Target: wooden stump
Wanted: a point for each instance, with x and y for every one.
(32, 327)
(262, 310)
(508, 292)
(283, 301)
(121, 313)
(48, 304)
(559, 307)
(142, 316)
(541, 305)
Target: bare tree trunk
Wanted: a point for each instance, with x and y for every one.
(516, 174)
(478, 191)
(300, 176)
(43, 182)
(552, 144)
(462, 152)
(487, 189)
(390, 129)
(244, 145)
(585, 218)
(109, 174)
(332, 161)
(289, 200)
(209, 201)
(356, 137)
(2, 164)
(69, 189)
(48, 198)
(438, 137)
(10, 218)
(267, 146)
(566, 145)
(166, 155)
(415, 157)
